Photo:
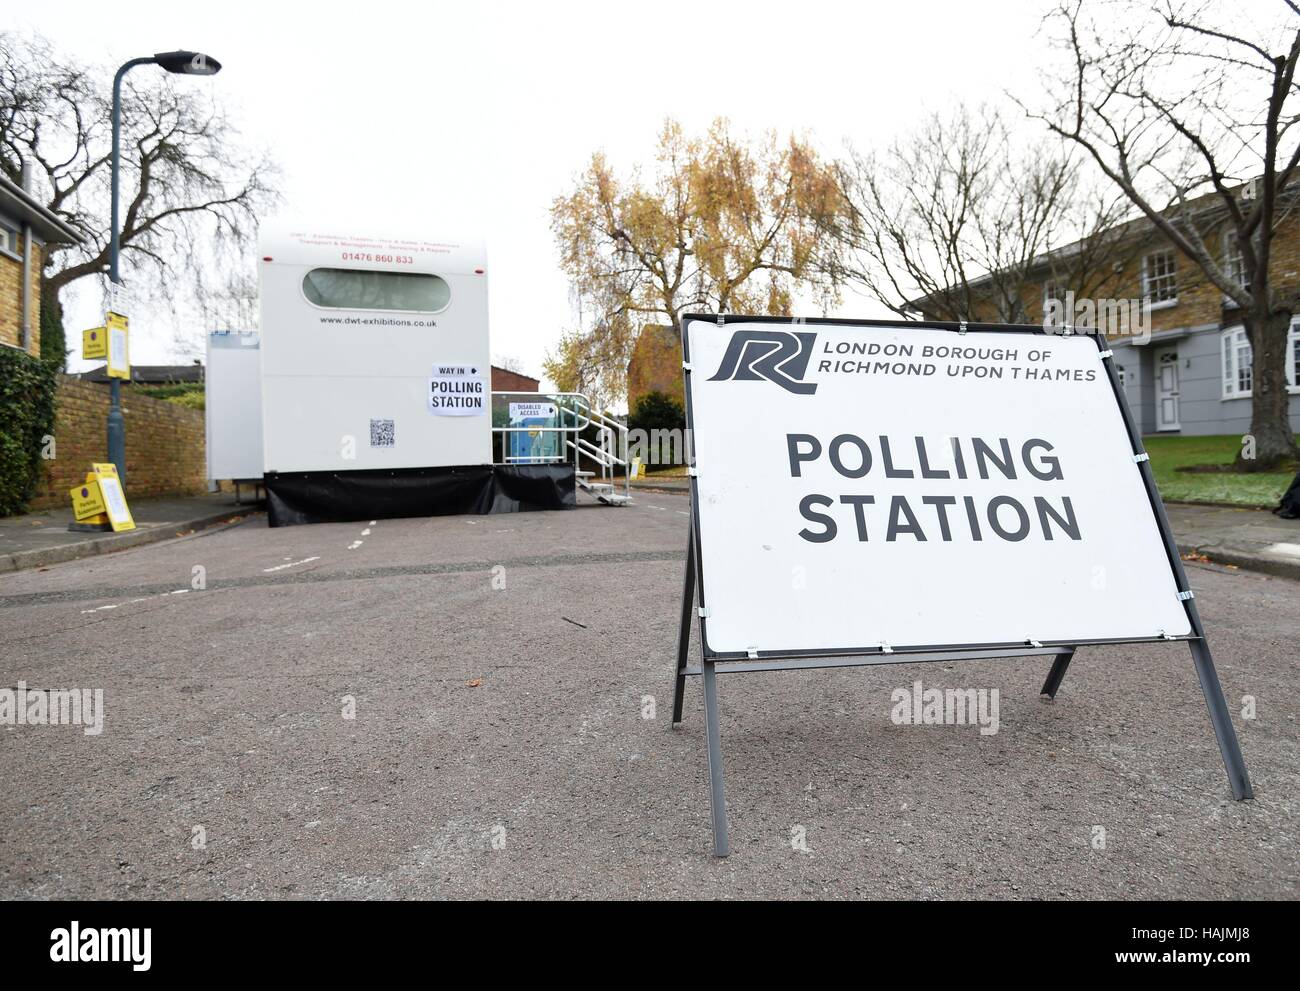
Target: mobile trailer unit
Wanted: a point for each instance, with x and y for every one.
(376, 382)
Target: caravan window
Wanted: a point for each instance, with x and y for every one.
(354, 289)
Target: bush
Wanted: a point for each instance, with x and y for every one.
(657, 411)
(190, 400)
(27, 391)
(661, 417)
(54, 343)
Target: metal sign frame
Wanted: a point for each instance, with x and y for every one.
(713, 663)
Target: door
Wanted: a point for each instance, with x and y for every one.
(1167, 389)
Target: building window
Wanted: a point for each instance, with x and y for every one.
(11, 242)
(1293, 356)
(1238, 370)
(354, 289)
(1053, 290)
(1234, 266)
(1238, 363)
(1159, 277)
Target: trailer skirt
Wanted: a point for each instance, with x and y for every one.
(478, 490)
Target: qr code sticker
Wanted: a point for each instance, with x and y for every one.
(382, 433)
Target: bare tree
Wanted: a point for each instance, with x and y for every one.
(190, 196)
(958, 215)
(1189, 109)
(717, 223)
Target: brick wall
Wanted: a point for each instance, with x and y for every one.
(165, 448)
(11, 301)
(507, 381)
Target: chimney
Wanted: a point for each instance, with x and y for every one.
(28, 177)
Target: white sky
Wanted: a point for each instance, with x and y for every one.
(476, 115)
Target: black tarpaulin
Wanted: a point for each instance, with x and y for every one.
(347, 496)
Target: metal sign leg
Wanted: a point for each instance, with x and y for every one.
(1233, 762)
(717, 792)
(1057, 674)
(684, 632)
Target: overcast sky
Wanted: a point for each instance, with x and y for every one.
(472, 117)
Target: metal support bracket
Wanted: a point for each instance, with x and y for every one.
(1139, 458)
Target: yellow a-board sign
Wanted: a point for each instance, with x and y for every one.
(94, 342)
(110, 488)
(119, 359)
(87, 502)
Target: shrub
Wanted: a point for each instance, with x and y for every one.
(27, 391)
(190, 400)
(657, 411)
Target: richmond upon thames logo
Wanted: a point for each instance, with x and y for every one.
(775, 355)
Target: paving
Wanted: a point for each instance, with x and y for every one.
(1247, 538)
(478, 706)
(43, 538)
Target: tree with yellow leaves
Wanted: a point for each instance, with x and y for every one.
(718, 225)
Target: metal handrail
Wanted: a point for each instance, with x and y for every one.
(577, 406)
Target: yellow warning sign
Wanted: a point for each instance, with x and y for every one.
(110, 487)
(86, 501)
(94, 342)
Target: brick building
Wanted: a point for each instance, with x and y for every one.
(504, 380)
(26, 227)
(1192, 375)
(656, 365)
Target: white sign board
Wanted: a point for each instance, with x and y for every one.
(458, 390)
(532, 411)
(119, 359)
(861, 486)
(114, 501)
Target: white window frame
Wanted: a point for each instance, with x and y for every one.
(1231, 341)
(1234, 266)
(11, 242)
(1171, 276)
(1230, 352)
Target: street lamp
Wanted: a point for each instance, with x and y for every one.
(182, 63)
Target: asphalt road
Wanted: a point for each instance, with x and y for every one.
(500, 745)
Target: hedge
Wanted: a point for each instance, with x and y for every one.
(27, 392)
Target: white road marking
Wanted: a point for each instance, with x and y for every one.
(355, 544)
(365, 532)
(131, 602)
(292, 564)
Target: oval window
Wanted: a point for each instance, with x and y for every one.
(354, 289)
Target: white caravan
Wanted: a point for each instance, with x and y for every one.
(375, 351)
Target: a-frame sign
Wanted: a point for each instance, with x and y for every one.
(889, 492)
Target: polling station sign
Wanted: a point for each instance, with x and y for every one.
(867, 486)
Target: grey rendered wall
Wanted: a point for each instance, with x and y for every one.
(1136, 365)
(1202, 410)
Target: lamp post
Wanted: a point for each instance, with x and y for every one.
(182, 63)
